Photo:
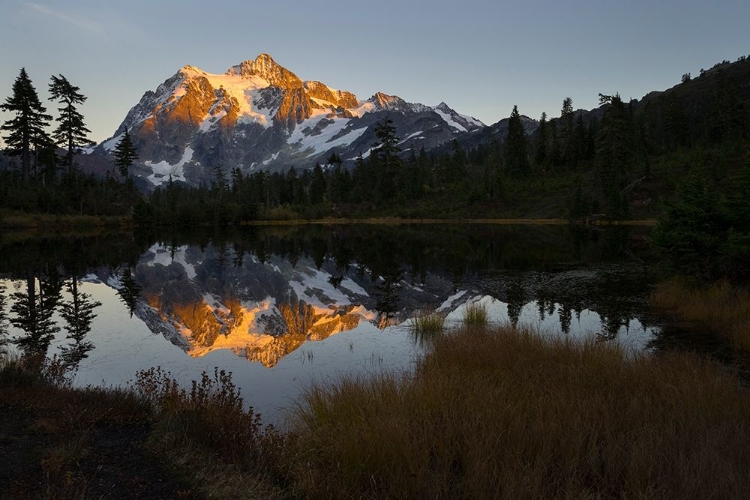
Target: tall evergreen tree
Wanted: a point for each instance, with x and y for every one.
(614, 153)
(71, 131)
(125, 154)
(566, 130)
(385, 152)
(516, 158)
(541, 143)
(28, 122)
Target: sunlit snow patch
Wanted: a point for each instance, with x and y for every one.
(163, 170)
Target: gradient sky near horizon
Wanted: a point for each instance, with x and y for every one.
(479, 56)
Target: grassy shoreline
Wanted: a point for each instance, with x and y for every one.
(489, 412)
(71, 222)
(720, 308)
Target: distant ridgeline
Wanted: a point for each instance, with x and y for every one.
(356, 158)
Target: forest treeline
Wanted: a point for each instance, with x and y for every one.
(618, 161)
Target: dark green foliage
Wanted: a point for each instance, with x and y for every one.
(705, 234)
(693, 231)
(541, 141)
(71, 131)
(125, 154)
(614, 154)
(26, 128)
(516, 157)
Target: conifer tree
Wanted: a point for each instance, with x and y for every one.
(516, 158)
(317, 186)
(614, 153)
(71, 131)
(385, 152)
(541, 145)
(125, 154)
(28, 122)
(566, 130)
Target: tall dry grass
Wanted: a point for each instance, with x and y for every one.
(720, 308)
(506, 414)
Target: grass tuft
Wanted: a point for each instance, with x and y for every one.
(475, 315)
(426, 326)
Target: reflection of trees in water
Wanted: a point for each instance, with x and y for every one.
(516, 299)
(566, 317)
(386, 293)
(129, 290)
(32, 312)
(78, 313)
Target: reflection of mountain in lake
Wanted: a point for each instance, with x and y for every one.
(263, 292)
(215, 297)
(260, 310)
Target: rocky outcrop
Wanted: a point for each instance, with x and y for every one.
(265, 67)
(338, 98)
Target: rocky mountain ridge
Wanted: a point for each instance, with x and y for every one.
(258, 115)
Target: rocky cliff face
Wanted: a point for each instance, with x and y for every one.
(258, 115)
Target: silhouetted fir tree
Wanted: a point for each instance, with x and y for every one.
(516, 158)
(567, 147)
(385, 158)
(78, 313)
(540, 156)
(71, 132)
(317, 186)
(27, 124)
(125, 154)
(614, 153)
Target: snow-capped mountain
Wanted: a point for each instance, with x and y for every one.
(260, 116)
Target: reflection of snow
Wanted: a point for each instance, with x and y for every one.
(450, 300)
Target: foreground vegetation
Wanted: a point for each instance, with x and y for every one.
(489, 413)
(720, 307)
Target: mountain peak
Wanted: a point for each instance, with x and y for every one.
(264, 66)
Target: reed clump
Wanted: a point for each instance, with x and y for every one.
(475, 315)
(426, 326)
(503, 413)
(720, 308)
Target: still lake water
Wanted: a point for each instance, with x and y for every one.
(283, 307)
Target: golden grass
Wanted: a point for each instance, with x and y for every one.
(498, 413)
(426, 326)
(475, 315)
(720, 308)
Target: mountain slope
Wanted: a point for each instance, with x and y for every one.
(261, 116)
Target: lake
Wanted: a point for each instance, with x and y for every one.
(282, 307)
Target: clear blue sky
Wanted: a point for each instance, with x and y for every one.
(479, 56)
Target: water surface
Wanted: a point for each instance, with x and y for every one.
(282, 307)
